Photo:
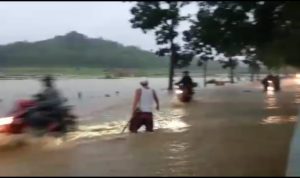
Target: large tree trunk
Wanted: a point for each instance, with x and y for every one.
(231, 75)
(171, 73)
(252, 77)
(258, 75)
(171, 68)
(252, 73)
(204, 73)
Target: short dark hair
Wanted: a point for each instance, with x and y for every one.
(144, 83)
(47, 80)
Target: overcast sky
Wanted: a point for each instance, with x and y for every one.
(34, 21)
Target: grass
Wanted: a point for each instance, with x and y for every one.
(80, 72)
(94, 72)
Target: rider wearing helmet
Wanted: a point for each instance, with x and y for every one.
(48, 103)
(49, 97)
(186, 81)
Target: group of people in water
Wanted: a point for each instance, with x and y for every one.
(144, 99)
(142, 110)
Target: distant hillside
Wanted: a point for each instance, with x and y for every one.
(77, 50)
(74, 50)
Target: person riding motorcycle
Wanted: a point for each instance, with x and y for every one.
(266, 80)
(49, 97)
(186, 82)
(48, 106)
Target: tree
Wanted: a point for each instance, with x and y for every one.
(271, 27)
(163, 17)
(195, 44)
(286, 39)
(275, 32)
(254, 66)
(223, 26)
(203, 53)
(230, 63)
(203, 60)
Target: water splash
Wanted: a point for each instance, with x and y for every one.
(278, 119)
(172, 120)
(297, 98)
(271, 100)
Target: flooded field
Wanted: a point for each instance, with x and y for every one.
(104, 105)
(235, 130)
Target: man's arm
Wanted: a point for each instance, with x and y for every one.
(179, 82)
(156, 100)
(188, 80)
(137, 97)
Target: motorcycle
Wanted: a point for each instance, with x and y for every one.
(185, 94)
(271, 83)
(18, 120)
(268, 85)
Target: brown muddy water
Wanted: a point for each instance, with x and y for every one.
(235, 130)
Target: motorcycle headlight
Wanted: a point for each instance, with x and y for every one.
(178, 91)
(6, 120)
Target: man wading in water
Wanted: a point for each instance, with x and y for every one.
(143, 108)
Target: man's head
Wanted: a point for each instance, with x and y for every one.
(186, 73)
(48, 81)
(144, 82)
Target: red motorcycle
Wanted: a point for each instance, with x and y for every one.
(185, 94)
(16, 122)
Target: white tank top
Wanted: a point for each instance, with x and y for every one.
(146, 101)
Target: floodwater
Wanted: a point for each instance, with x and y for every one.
(236, 131)
(103, 104)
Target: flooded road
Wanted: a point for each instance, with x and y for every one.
(236, 131)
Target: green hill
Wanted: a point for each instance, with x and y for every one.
(68, 53)
(77, 50)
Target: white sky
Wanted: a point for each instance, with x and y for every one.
(34, 21)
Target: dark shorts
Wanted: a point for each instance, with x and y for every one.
(141, 119)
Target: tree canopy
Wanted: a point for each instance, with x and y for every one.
(271, 28)
(162, 17)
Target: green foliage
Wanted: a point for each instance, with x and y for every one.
(153, 15)
(231, 27)
(226, 29)
(74, 50)
(223, 26)
(162, 17)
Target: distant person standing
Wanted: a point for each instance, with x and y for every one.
(142, 110)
